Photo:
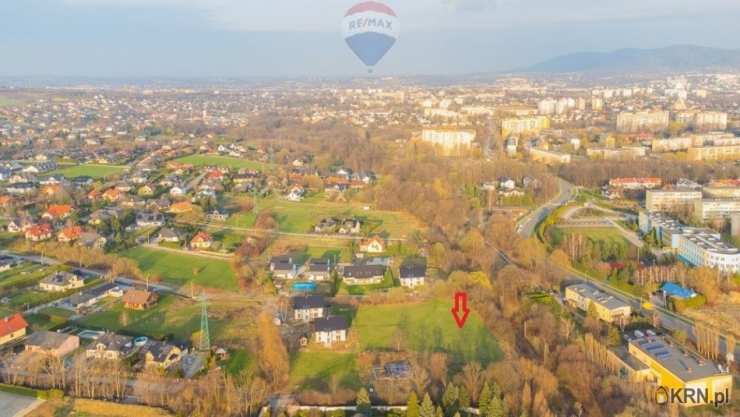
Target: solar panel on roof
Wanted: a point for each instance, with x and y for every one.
(662, 354)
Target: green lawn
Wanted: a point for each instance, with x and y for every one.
(238, 362)
(178, 268)
(425, 327)
(48, 318)
(171, 317)
(223, 161)
(607, 234)
(24, 275)
(312, 370)
(302, 216)
(89, 170)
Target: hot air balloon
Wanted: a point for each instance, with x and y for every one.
(370, 29)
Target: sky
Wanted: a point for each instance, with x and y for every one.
(299, 38)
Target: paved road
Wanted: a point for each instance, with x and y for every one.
(12, 405)
(668, 319)
(527, 224)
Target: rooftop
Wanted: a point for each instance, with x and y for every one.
(597, 296)
(679, 361)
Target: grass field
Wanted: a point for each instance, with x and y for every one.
(312, 370)
(89, 170)
(178, 269)
(171, 317)
(425, 327)
(301, 217)
(71, 407)
(223, 161)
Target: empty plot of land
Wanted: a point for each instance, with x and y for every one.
(13, 405)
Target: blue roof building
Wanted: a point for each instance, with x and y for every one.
(674, 290)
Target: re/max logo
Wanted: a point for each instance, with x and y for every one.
(665, 395)
(370, 22)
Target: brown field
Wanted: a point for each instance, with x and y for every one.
(92, 408)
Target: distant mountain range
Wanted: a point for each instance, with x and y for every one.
(677, 58)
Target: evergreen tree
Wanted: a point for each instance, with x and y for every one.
(438, 412)
(412, 405)
(363, 402)
(449, 398)
(464, 397)
(495, 408)
(485, 397)
(427, 407)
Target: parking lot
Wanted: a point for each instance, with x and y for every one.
(12, 405)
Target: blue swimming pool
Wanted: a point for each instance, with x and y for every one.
(304, 286)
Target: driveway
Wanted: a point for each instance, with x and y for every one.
(12, 405)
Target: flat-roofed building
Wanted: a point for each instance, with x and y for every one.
(608, 307)
(674, 368)
(623, 153)
(520, 125)
(634, 183)
(671, 200)
(703, 247)
(449, 139)
(716, 208)
(549, 157)
(714, 153)
(652, 121)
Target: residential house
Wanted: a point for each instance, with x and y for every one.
(57, 212)
(149, 219)
(61, 281)
(217, 216)
(92, 240)
(39, 232)
(168, 235)
(373, 244)
(101, 216)
(309, 307)
(201, 240)
(112, 195)
(135, 299)
(92, 296)
(6, 201)
(362, 274)
(285, 267)
(181, 207)
(21, 188)
(12, 328)
(53, 344)
(296, 194)
(318, 269)
(412, 272)
(69, 234)
(19, 224)
(161, 355)
(330, 330)
(110, 346)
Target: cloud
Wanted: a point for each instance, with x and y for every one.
(470, 5)
(302, 15)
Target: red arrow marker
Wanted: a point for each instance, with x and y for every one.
(460, 311)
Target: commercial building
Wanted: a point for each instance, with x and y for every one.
(703, 247)
(448, 138)
(608, 308)
(652, 121)
(549, 157)
(674, 368)
(520, 125)
(671, 200)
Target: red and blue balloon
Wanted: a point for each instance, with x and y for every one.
(370, 29)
